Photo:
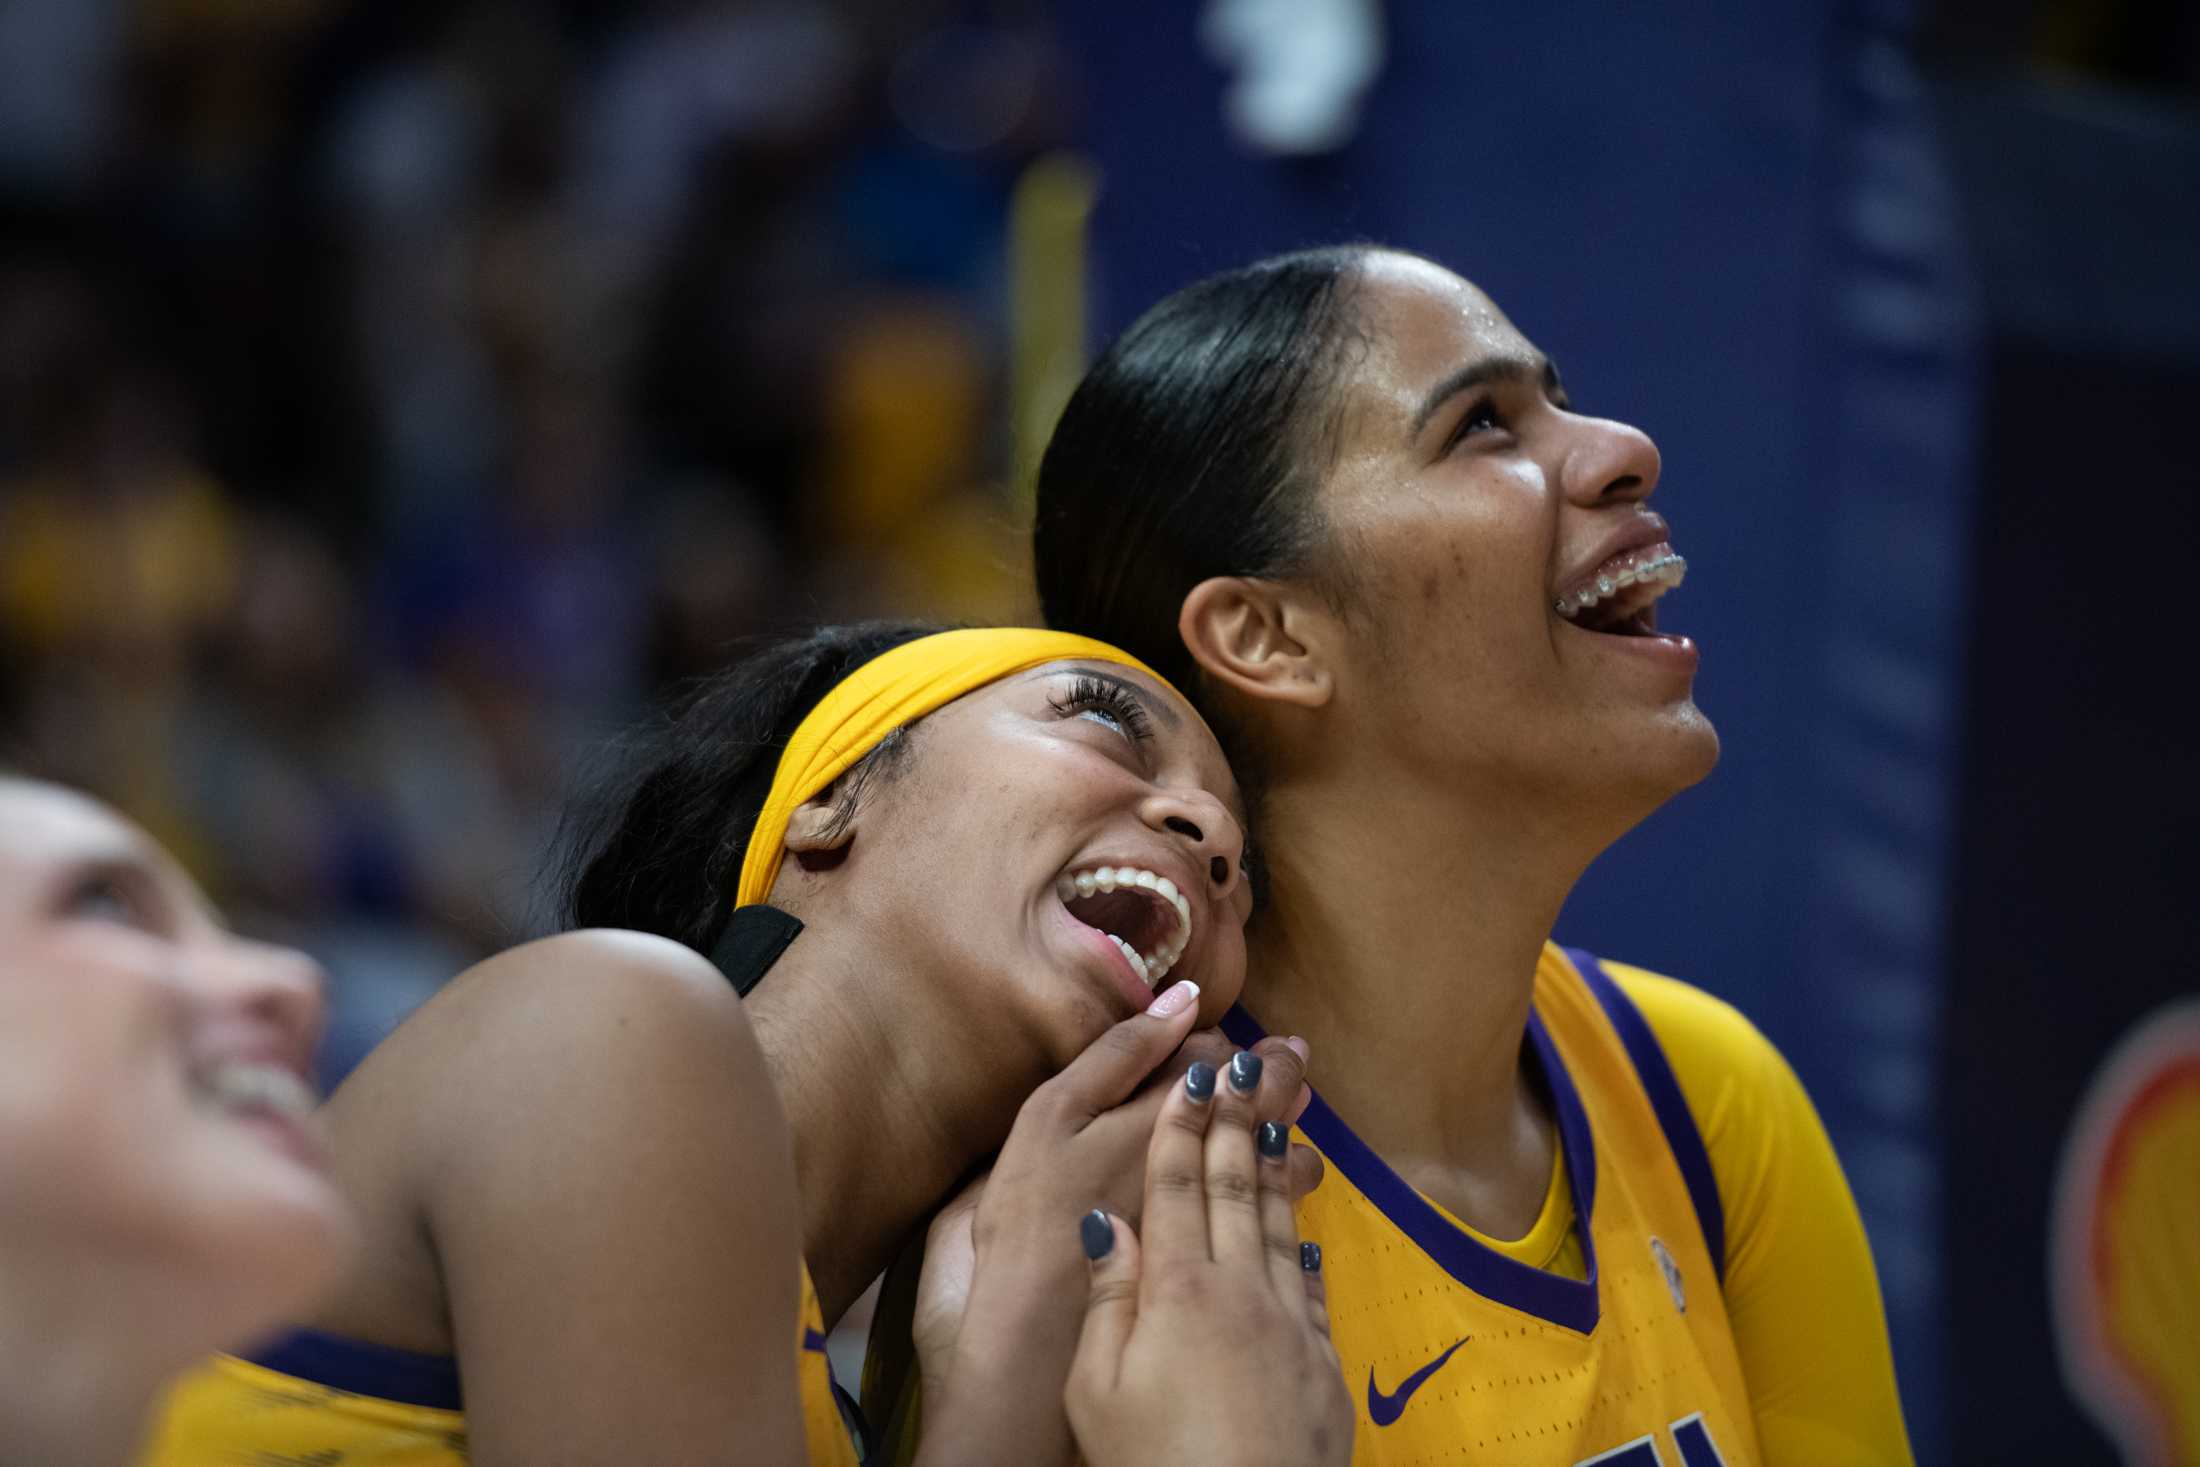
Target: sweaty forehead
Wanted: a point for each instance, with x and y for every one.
(1420, 323)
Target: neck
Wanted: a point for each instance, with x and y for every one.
(87, 1349)
(1401, 938)
(885, 1124)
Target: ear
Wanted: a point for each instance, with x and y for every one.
(811, 838)
(1259, 638)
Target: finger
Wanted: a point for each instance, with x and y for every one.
(1174, 1223)
(1317, 1290)
(1279, 1229)
(1306, 1170)
(1113, 1065)
(1111, 1310)
(1282, 1078)
(1233, 1177)
(957, 1213)
(1211, 1045)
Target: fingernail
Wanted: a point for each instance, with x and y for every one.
(1199, 1080)
(1274, 1140)
(1174, 999)
(1098, 1235)
(1310, 1256)
(1244, 1071)
(1300, 1048)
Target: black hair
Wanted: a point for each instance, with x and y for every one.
(1192, 449)
(654, 842)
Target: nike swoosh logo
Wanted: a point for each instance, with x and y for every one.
(1383, 1409)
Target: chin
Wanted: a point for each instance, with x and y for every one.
(1676, 753)
(283, 1250)
(1695, 747)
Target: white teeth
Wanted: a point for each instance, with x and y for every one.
(247, 1087)
(1149, 967)
(1138, 964)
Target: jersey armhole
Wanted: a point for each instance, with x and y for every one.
(362, 1368)
(1666, 1100)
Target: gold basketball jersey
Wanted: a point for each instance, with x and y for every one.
(1456, 1351)
(316, 1399)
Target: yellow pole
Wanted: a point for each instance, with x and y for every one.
(1048, 221)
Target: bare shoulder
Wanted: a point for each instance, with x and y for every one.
(575, 1029)
(536, 1069)
(601, 991)
(598, 968)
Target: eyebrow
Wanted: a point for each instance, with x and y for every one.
(1145, 699)
(1507, 367)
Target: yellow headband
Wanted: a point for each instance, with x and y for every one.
(892, 690)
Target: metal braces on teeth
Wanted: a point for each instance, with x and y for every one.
(1667, 570)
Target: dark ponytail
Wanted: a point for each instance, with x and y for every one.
(655, 842)
(1192, 449)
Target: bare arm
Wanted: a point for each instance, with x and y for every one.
(611, 1199)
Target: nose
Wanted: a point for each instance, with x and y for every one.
(1609, 462)
(275, 991)
(1205, 824)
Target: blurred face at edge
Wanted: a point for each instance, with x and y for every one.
(155, 1116)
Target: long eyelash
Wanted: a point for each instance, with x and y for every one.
(1113, 699)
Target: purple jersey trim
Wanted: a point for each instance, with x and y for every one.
(364, 1369)
(1569, 1303)
(1674, 1117)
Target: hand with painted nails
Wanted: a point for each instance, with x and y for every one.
(997, 1307)
(1208, 1340)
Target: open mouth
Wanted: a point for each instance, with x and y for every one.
(1143, 913)
(1620, 597)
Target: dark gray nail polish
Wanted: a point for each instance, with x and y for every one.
(1199, 1080)
(1310, 1257)
(1274, 1140)
(1097, 1234)
(1244, 1071)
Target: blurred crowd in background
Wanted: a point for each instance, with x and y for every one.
(395, 397)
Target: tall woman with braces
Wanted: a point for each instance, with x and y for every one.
(1580, 1212)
